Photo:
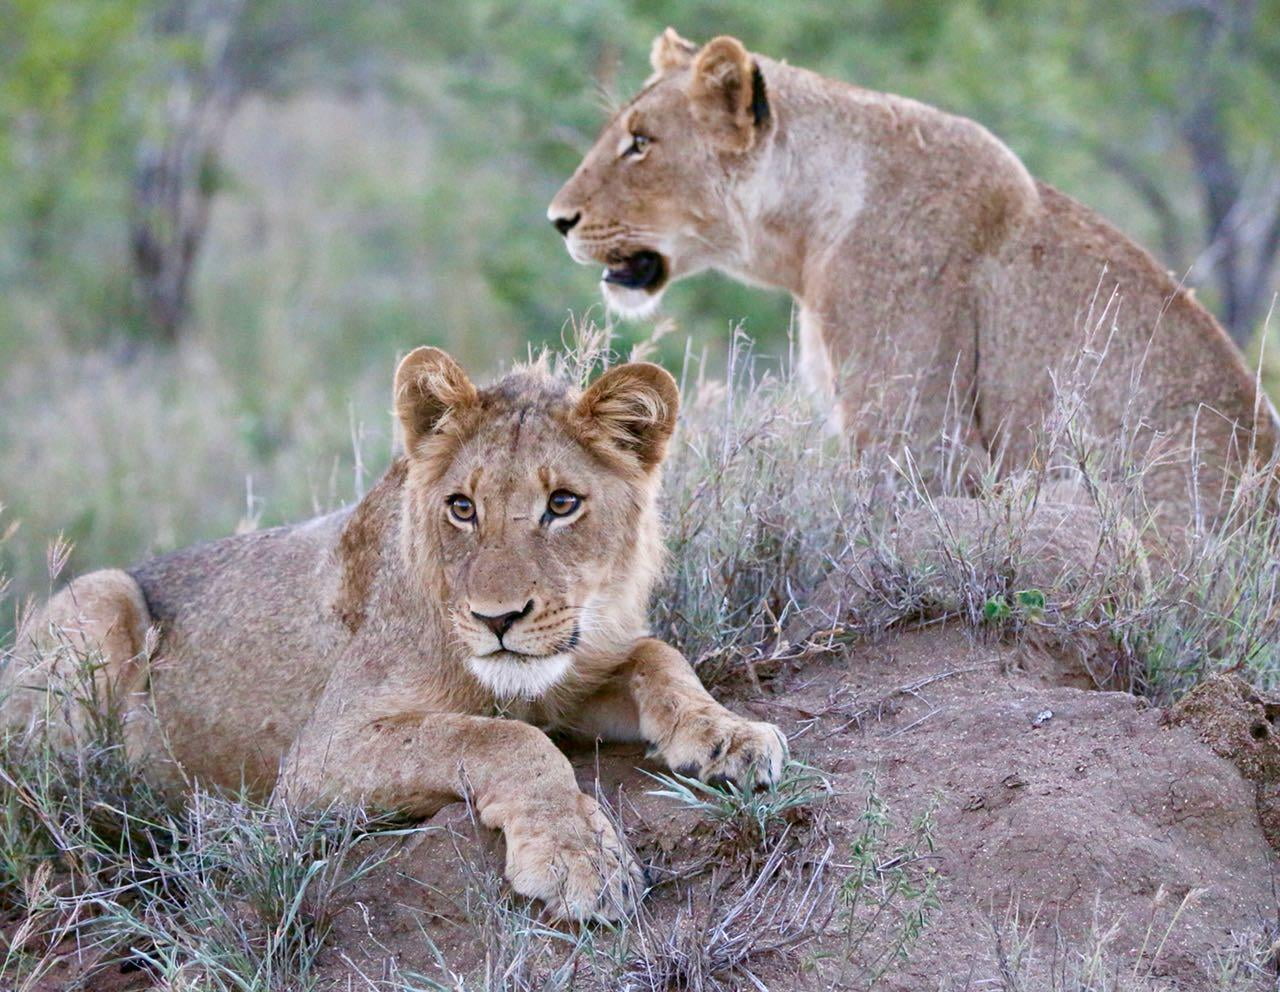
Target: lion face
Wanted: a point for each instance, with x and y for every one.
(535, 507)
(653, 200)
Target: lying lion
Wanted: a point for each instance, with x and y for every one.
(940, 285)
(415, 647)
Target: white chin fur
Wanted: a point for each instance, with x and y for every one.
(634, 304)
(507, 678)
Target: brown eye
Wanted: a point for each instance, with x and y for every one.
(461, 508)
(561, 503)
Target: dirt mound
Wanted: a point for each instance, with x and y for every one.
(1237, 722)
(1062, 820)
(1242, 725)
(1084, 807)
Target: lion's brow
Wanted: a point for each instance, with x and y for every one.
(632, 102)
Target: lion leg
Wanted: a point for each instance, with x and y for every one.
(657, 697)
(561, 848)
(903, 383)
(84, 652)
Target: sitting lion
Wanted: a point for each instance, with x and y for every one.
(413, 648)
(940, 285)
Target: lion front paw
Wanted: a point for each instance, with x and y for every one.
(720, 747)
(572, 860)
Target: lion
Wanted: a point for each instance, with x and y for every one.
(415, 648)
(939, 284)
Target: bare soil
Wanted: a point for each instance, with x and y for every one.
(1059, 812)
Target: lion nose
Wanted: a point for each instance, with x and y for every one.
(500, 623)
(565, 224)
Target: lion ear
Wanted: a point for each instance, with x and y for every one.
(728, 94)
(634, 407)
(429, 384)
(670, 51)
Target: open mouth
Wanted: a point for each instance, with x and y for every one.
(643, 270)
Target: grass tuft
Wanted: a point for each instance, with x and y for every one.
(751, 816)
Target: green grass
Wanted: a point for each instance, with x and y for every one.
(892, 872)
(752, 816)
(246, 897)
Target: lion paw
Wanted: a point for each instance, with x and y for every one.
(721, 747)
(573, 861)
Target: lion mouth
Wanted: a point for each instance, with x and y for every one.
(519, 657)
(504, 653)
(645, 270)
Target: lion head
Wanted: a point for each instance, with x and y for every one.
(655, 198)
(532, 510)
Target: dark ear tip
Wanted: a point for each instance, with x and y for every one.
(759, 96)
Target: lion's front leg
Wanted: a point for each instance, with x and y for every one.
(690, 731)
(561, 848)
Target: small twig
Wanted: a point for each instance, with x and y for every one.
(910, 689)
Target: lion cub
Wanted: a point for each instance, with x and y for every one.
(414, 648)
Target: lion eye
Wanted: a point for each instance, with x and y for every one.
(639, 142)
(561, 503)
(461, 508)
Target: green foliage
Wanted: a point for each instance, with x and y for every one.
(72, 77)
(890, 891)
(1026, 604)
(513, 92)
(755, 813)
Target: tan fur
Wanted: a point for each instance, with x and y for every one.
(102, 616)
(336, 659)
(941, 286)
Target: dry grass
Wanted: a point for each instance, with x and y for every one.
(221, 893)
(214, 893)
(761, 506)
(1024, 955)
(740, 922)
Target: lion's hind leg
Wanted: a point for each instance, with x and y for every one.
(80, 659)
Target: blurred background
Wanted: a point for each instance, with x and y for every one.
(222, 220)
